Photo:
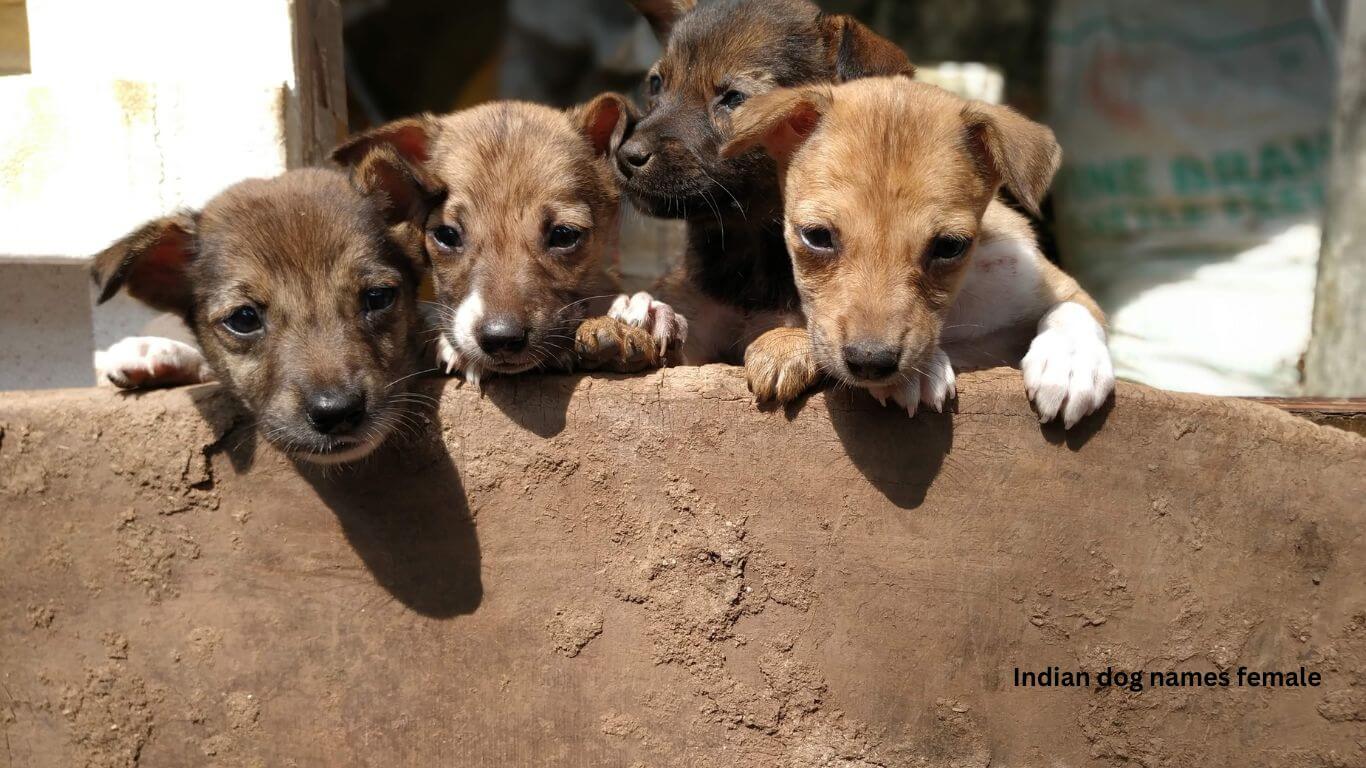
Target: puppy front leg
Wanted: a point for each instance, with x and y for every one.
(1012, 300)
(1068, 372)
(611, 344)
(781, 365)
(667, 327)
(148, 362)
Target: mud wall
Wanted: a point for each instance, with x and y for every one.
(651, 572)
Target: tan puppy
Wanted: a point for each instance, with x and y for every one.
(735, 278)
(907, 264)
(302, 299)
(523, 238)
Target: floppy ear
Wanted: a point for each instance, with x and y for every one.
(856, 51)
(410, 137)
(663, 14)
(780, 121)
(152, 263)
(1020, 154)
(402, 192)
(604, 121)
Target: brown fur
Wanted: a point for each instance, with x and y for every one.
(736, 279)
(301, 249)
(893, 168)
(508, 174)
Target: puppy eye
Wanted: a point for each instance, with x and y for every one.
(378, 299)
(819, 239)
(732, 100)
(448, 238)
(244, 321)
(564, 237)
(948, 248)
(656, 85)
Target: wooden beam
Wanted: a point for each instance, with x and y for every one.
(1343, 413)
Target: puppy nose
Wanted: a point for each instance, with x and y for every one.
(336, 413)
(502, 335)
(635, 155)
(872, 360)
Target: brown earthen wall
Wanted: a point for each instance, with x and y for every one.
(651, 572)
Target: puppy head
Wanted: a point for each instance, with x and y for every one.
(302, 295)
(718, 55)
(527, 225)
(886, 182)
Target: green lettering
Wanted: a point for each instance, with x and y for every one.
(1189, 176)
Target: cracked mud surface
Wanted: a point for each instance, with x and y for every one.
(649, 572)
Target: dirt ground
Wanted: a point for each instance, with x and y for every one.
(651, 572)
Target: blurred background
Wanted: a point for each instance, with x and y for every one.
(1199, 141)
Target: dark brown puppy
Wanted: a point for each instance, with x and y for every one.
(301, 291)
(736, 279)
(523, 238)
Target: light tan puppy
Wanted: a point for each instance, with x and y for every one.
(907, 264)
(522, 237)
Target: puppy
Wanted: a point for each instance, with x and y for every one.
(522, 238)
(301, 291)
(735, 280)
(906, 262)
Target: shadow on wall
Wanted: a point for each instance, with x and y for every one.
(417, 538)
(544, 414)
(902, 457)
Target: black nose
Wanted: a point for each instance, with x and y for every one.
(502, 335)
(336, 413)
(872, 360)
(635, 155)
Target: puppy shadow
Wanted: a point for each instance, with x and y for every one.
(792, 410)
(537, 403)
(231, 421)
(405, 513)
(901, 456)
(1077, 437)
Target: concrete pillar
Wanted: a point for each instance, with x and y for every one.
(1336, 366)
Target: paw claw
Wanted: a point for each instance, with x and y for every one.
(612, 344)
(934, 388)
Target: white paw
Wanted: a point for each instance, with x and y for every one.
(450, 360)
(145, 362)
(1068, 372)
(668, 328)
(934, 385)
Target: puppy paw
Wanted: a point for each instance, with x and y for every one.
(609, 343)
(1068, 373)
(453, 363)
(781, 366)
(668, 328)
(147, 362)
(933, 385)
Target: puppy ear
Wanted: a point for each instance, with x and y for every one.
(604, 121)
(401, 191)
(780, 121)
(152, 263)
(1019, 153)
(663, 14)
(856, 51)
(410, 137)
